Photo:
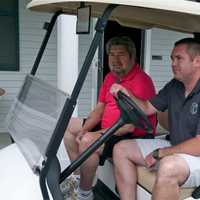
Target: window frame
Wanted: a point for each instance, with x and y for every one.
(15, 15)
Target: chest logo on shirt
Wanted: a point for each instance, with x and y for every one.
(194, 108)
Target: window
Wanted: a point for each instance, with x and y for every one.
(9, 35)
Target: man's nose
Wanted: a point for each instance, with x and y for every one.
(173, 63)
(116, 57)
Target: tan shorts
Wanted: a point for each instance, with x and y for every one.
(147, 146)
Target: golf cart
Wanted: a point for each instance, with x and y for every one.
(144, 15)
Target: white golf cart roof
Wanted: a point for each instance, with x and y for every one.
(179, 15)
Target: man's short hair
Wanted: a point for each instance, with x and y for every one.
(124, 41)
(193, 45)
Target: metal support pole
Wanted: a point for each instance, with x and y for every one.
(44, 42)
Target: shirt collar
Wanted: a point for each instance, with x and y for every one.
(196, 88)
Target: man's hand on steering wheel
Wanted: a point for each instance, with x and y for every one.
(130, 111)
(115, 88)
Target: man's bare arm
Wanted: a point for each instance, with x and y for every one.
(94, 117)
(191, 147)
(146, 106)
(127, 128)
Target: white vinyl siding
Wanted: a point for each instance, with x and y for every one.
(31, 34)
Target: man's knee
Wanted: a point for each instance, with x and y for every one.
(87, 140)
(68, 138)
(72, 130)
(74, 126)
(119, 149)
(170, 170)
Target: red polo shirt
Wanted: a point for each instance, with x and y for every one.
(137, 82)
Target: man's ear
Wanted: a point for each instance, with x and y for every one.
(197, 61)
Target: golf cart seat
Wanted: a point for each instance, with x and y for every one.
(146, 180)
(31, 122)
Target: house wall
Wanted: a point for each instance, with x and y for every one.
(31, 33)
(162, 42)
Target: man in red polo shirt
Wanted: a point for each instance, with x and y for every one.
(81, 134)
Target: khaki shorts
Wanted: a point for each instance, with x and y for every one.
(147, 146)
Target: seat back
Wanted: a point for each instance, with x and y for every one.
(32, 118)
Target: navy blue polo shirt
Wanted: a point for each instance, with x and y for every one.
(183, 112)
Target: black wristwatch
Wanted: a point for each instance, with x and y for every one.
(155, 154)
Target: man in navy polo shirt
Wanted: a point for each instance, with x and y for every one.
(177, 160)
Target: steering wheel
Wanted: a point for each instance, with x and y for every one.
(131, 113)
